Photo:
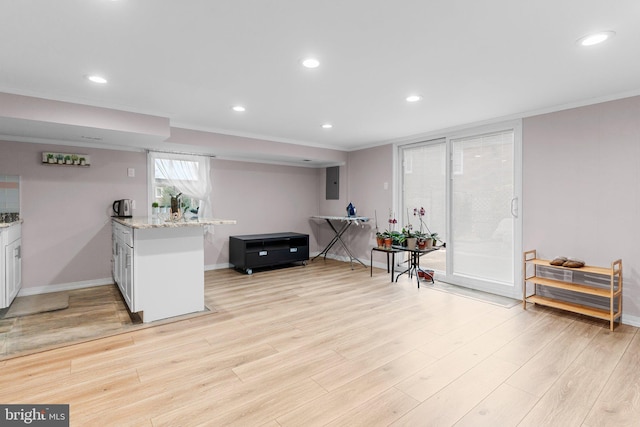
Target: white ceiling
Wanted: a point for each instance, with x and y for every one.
(192, 60)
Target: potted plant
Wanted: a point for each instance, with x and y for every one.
(397, 238)
(155, 209)
(422, 239)
(391, 236)
(82, 161)
(410, 238)
(60, 159)
(50, 158)
(428, 238)
(74, 159)
(67, 160)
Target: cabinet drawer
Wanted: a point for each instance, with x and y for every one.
(124, 234)
(267, 257)
(14, 233)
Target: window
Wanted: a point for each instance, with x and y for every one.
(179, 174)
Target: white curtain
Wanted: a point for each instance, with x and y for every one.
(189, 174)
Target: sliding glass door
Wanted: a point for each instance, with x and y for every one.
(470, 192)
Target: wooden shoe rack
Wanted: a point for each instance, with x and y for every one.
(611, 294)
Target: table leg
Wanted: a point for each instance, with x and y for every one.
(408, 270)
(393, 264)
(371, 264)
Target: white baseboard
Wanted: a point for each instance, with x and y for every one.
(37, 290)
(216, 266)
(630, 320)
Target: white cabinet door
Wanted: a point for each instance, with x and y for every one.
(13, 275)
(114, 257)
(127, 276)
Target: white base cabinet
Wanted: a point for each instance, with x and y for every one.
(10, 263)
(159, 271)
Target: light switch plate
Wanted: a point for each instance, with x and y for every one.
(131, 172)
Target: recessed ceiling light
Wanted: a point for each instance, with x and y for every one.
(97, 79)
(413, 98)
(310, 63)
(596, 38)
(238, 108)
(327, 126)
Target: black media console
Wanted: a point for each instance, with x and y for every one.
(266, 250)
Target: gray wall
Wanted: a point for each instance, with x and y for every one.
(580, 188)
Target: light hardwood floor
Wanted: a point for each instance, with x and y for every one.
(325, 345)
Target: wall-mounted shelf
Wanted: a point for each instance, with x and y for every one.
(66, 159)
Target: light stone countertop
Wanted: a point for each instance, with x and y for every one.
(149, 222)
(9, 224)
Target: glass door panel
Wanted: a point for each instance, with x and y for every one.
(424, 183)
(482, 199)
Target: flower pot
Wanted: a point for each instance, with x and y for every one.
(428, 243)
(388, 241)
(380, 241)
(411, 243)
(422, 244)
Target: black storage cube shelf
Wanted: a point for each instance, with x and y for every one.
(265, 250)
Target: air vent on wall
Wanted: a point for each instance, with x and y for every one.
(91, 138)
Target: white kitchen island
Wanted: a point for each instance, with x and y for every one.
(159, 265)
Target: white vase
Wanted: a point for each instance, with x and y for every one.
(411, 243)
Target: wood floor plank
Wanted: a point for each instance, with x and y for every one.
(462, 335)
(382, 410)
(540, 372)
(505, 406)
(452, 402)
(353, 394)
(442, 372)
(619, 402)
(290, 364)
(571, 397)
(351, 369)
(156, 397)
(525, 346)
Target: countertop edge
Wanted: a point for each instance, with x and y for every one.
(146, 222)
(4, 225)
